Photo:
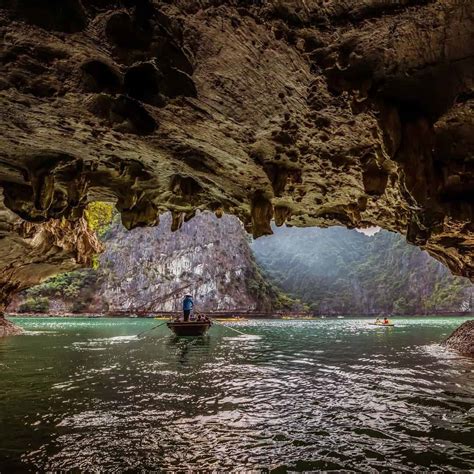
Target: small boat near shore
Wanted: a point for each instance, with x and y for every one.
(189, 328)
(382, 324)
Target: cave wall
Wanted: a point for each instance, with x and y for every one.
(30, 253)
(308, 112)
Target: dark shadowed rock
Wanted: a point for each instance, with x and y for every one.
(57, 15)
(462, 339)
(7, 328)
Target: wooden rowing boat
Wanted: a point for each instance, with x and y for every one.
(189, 328)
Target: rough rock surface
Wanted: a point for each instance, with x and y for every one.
(29, 253)
(150, 270)
(7, 328)
(462, 339)
(353, 112)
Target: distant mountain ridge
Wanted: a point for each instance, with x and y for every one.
(342, 271)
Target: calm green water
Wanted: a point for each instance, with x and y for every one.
(86, 394)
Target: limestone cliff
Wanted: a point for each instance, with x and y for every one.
(150, 269)
(209, 258)
(314, 112)
(342, 271)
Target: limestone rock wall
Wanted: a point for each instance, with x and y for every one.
(341, 271)
(149, 269)
(7, 328)
(29, 253)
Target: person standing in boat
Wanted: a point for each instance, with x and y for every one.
(188, 305)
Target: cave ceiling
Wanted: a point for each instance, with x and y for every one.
(308, 112)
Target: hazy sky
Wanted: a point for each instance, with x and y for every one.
(370, 231)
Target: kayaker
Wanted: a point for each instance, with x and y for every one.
(386, 321)
(188, 304)
(377, 321)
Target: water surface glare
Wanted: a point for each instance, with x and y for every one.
(87, 394)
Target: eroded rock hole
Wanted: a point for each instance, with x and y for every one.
(98, 76)
(124, 114)
(122, 31)
(177, 83)
(19, 199)
(374, 179)
(185, 186)
(170, 55)
(143, 82)
(68, 16)
(142, 123)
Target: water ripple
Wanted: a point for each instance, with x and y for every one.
(299, 396)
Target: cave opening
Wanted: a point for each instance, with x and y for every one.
(142, 82)
(100, 77)
(68, 16)
(333, 272)
(177, 83)
(273, 160)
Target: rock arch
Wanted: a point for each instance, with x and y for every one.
(313, 115)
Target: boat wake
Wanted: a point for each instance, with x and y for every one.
(100, 343)
(247, 337)
(38, 333)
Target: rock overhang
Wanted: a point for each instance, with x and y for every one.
(353, 113)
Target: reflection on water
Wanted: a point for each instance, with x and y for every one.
(293, 395)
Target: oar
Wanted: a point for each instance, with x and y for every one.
(151, 329)
(227, 327)
(232, 329)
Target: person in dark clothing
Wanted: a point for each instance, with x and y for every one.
(187, 306)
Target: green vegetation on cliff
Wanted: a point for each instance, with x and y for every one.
(77, 286)
(37, 304)
(99, 216)
(342, 271)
